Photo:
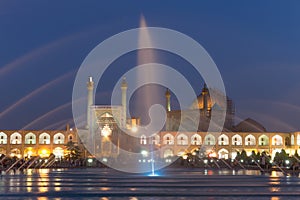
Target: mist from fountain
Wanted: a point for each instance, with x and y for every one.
(152, 93)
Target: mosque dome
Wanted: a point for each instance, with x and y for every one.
(249, 125)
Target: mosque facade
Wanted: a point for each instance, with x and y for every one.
(248, 135)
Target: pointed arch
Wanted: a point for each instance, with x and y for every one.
(16, 138)
(237, 140)
(292, 140)
(3, 138)
(263, 140)
(223, 140)
(277, 140)
(155, 139)
(298, 139)
(59, 138)
(44, 138)
(223, 153)
(250, 140)
(106, 114)
(196, 139)
(168, 139)
(58, 152)
(143, 139)
(30, 138)
(182, 139)
(209, 140)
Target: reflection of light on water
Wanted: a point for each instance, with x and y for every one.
(133, 198)
(277, 174)
(274, 174)
(43, 171)
(275, 198)
(275, 189)
(14, 184)
(57, 185)
(104, 188)
(43, 181)
(29, 171)
(153, 174)
(42, 198)
(29, 184)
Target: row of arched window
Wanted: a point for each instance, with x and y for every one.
(236, 140)
(31, 138)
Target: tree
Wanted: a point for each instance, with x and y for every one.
(281, 157)
(296, 154)
(73, 151)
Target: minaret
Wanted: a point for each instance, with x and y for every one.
(90, 88)
(204, 95)
(168, 102)
(124, 92)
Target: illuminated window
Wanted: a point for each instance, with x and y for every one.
(250, 140)
(44, 138)
(298, 139)
(168, 139)
(30, 138)
(143, 139)
(196, 139)
(16, 138)
(263, 140)
(155, 139)
(182, 139)
(209, 140)
(292, 140)
(236, 140)
(223, 140)
(58, 152)
(277, 140)
(59, 138)
(3, 138)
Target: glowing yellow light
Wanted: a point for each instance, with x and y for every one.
(184, 157)
(212, 155)
(106, 131)
(134, 129)
(144, 153)
(44, 153)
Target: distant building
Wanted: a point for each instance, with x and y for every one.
(27, 143)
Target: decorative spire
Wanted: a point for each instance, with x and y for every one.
(168, 94)
(124, 83)
(205, 89)
(168, 100)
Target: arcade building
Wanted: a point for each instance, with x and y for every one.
(105, 123)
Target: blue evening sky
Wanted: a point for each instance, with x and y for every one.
(255, 44)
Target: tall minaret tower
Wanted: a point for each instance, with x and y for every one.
(124, 92)
(90, 102)
(204, 95)
(168, 101)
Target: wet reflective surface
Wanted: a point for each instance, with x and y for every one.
(171, 184)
